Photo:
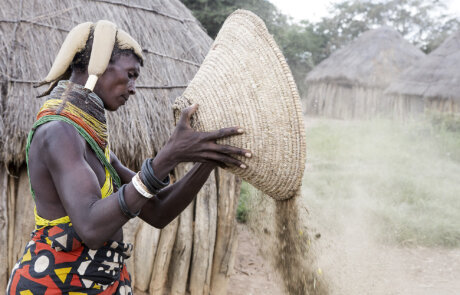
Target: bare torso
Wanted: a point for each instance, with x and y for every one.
(48, 202)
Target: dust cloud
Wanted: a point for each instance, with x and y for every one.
(377, 213)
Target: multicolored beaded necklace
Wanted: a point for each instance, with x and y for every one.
(80, 105)
(82, 108)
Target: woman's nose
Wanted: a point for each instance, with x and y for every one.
(132, 88)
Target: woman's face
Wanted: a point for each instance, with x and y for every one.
(118, 82)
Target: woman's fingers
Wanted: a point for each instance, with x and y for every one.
(228, 149)
(187, 113)
(224, 132)
(225, 159)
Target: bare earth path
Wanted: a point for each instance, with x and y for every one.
(355, 265)
(253, 275)
(352, 260)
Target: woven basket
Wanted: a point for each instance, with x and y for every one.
(245, 81)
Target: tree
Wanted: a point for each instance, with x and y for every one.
(425, 23)
(212, 13)
(299, 43)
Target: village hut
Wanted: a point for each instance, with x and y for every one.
(350, 83)
(195, 252)
(433, 84)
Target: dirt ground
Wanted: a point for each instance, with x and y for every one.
(355, 267)
(352, 262)
(253, 275)
(359, 266)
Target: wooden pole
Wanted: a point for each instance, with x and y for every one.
(23, 216)
(182, 251)
(228, 192)
(165, 247)
(162, 258)
(4, 270)
(130, 230)
(11, 197)
(204, 238)
(180, 259)
(144, 255)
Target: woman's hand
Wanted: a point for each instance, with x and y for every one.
(188, 145)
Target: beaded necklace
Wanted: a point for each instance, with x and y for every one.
(77, 106)
(80, 105)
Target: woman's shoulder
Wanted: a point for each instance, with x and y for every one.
(56, 137)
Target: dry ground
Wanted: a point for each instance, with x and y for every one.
(359, 251)
(253, 274)
(351, 254)
(353, 266)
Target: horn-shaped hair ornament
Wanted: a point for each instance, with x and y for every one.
(73, 43)
(104, 40)
(125, 41)
(105, 36)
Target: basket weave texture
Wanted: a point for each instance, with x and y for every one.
(245, 81)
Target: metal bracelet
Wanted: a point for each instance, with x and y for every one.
(153, 184)
(122, 203)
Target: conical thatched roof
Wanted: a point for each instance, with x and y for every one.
(31, 33)
(436, 76)
(372, 60)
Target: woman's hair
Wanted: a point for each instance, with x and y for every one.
(81, 60)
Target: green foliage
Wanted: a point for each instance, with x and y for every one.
(242, 211)
(447, 129)
(445, 121)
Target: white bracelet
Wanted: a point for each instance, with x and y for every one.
(140, 187)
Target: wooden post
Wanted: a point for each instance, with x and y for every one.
(228, 192)
(144, 255)
(180, 259)
(23, 217)
(204, 238)
(11, 201)
(130, 230)
(4, 270)
(162, 258)
(182, 251)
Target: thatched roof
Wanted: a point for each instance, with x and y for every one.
(436, 76)
(33, 31)
(372, 60)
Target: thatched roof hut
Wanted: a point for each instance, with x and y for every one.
(175, 44)
(432, 84)
(350, 83)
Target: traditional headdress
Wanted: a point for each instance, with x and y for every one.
(106, 34)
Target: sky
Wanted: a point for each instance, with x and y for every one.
(314, 10)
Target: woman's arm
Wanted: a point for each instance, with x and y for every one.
(184, 145)
(95, 220)
(160, 210)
